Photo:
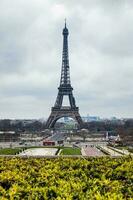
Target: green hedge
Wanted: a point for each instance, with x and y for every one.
(61, 178)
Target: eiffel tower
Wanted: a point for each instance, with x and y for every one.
(65, 89)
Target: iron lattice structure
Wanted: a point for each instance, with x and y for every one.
(65, 88)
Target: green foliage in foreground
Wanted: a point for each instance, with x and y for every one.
(66, 178)
(70, 151)
(10, 151)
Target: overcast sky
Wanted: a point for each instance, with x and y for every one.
(100, 53)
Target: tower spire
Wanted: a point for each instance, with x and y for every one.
(65, 74)
(65, 22)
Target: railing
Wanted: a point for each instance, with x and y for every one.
(65, 108)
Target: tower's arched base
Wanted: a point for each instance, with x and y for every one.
(57, 113)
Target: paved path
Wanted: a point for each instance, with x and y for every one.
(91, 151)
(39, 152)
(122, 151)
(110, 151)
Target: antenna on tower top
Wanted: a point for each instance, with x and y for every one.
(65, 22)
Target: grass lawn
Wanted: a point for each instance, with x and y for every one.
(70, 151)
(9, 151)
(65, 150)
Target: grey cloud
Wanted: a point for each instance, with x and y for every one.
(100, 44)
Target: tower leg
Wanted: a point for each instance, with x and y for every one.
(55, 115)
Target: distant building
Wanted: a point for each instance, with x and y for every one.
(112, 136)
(48, 143)
(90, 118)
(9, 136)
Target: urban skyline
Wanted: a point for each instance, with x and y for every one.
(100, 52)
